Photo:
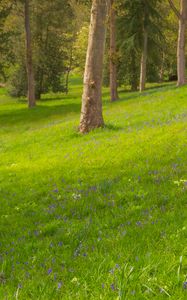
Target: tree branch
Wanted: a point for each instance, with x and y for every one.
(176, 11)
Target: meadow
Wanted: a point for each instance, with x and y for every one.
(95, 216)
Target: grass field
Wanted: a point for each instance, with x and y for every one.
(99, 216)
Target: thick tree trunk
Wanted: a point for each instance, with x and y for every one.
(181, 61)
(113, 67)
(143, 69)
(91, 112)
(29, 63)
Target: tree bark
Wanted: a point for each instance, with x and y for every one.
(134, 81)
(91, 112)
(143, 69)
(161, 72)
(113, 67)
(29, 61)
(181, 60)
(69, 70)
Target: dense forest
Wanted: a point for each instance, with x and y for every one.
(93, 150)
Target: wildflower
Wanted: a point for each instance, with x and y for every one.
(185, 285)
(49, 271)
(59, 285)
(112, 286)
(139, 223)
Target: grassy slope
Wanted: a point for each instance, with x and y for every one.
(96, 216)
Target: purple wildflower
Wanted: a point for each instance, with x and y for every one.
(139, 223)
(59, 285)
(49, 271)
(185, 285)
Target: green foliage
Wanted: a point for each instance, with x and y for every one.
(80, 47)
(49, 34)
(17, 85)
(50, 28)
(99, 216)
(133, 18)
(5, 44)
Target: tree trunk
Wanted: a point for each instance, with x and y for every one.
(29, 63)
(69, 70)
(91, 112)
(143, 69)
(133, 72)
(181, 61)
(38, 95)
(113, 67)
(161, 72)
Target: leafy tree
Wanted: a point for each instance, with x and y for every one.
(50, 33)
(6, 55)
(139, 33)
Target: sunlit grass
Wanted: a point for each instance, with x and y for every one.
(100, 216)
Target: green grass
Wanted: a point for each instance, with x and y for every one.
(99, 216)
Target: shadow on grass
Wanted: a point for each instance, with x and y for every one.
(54, 97)
(148, 92)
(26, 116)
(127, 94)
(112, 127)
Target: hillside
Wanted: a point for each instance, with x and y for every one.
(95, 216)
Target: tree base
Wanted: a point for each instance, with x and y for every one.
(86, 127)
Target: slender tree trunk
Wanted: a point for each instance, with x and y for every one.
(29, 63)
(143, 69)
(133, 72)
(161, 73)
(69, 70)
(181, 60)
(38, 94)
(113, 67)
(91, 112)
